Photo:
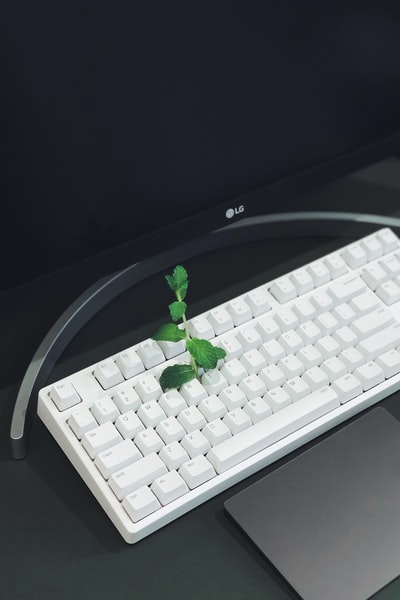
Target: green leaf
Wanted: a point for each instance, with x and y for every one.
(177, 310)
(169, 333)
(178, 282)
(177, 375)
(205, 354)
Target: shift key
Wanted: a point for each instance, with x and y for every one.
(381, 341)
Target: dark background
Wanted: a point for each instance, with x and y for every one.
(119, 119)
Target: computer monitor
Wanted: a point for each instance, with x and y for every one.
(127, 128)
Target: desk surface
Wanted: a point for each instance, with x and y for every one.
(56, 542)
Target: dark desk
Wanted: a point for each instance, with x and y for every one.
(56, 542)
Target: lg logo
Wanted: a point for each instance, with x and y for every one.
(231, 212)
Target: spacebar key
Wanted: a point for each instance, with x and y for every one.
(237, 448)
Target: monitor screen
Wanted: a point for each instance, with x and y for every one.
(136, 124)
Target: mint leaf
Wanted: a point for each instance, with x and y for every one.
(177, 310)
(204, 353)
(177, 375)
(169, 333)
(178, 281)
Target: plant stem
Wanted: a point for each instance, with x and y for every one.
(193, 361)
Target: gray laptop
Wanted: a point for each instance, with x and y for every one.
(329, 519)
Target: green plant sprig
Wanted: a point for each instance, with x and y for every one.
(203, 355)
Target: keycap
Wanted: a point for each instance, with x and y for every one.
(150, 353)
(64, 395)
(196, 471)
(108, 374)
(169, 487)
(283, 290)
(102, 437)
(140, 504)
(133, 477)
(129, 363)
(121, 455)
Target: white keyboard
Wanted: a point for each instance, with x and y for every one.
(304, 353)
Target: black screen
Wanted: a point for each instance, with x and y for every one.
(120, 119)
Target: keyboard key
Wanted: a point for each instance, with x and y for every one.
(346, 288)
(169, 487)
(108, 374)
(133, 477)
(372, 322)
(121, 455)
(126, 399)
(236, 420)
(388, 239)
(148, 441)
(170, 430)
(129, 424)
(258, 301)
(386, 339)
(389, 362)
(252, 386)
(297, 388)
(201, 327)
(281, 424)
(233, 371)
(64, 395)
(268, 328)
(302, 281)
(309, 356)
(253, 361)
(212, 408)
(151, 413)
(129, 363)
(334, 368)
(172, 403)
(389, 292)
(191, 418)
(272, 351)
(239, 311)
(150, 353)
(173, 455)
(104, 410)
(232, 397)
(140, 504)
(216, 432)
(148, 387)
(81, 421)
(319, 273)
(355, 255)
(336, 265)
(197, 471)
(283, 290)
(372, 246)
(257, 410)
(231, 346)
(213, 381)
(249, 338)
(277, 399)
(315, 378)
(344, 313)
(364, 303)
(374, 275)
(220, 320)
(286, 319)
(195, 443)
(272, 376)
(193, 392)
(369, 374)
(347, 388)
(100, 438)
